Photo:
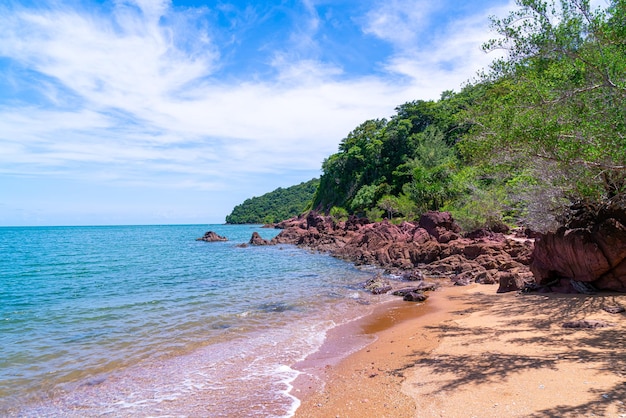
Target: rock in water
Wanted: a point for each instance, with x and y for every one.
(211, 236)
(257, 240)
(378, 285)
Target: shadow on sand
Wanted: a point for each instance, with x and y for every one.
(601, 348)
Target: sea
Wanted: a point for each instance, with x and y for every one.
(146, 321)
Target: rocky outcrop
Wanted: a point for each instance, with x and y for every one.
(590, 251)
(211, 236)
(433, 246)
(257, 240)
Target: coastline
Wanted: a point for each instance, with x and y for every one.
(467, 352)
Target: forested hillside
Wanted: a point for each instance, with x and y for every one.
(542, 129)
(275, 206)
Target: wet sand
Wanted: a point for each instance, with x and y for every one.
(470, 352)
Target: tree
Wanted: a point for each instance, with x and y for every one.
(390, 205)
(364, 198)
(431, 172)
(555, 103)
(356, 165)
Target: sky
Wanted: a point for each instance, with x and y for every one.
(173, 112)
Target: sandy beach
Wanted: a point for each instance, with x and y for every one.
(470, 352)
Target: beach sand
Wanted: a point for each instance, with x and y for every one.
(470, 352)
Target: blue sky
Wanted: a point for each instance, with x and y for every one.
(158, 112)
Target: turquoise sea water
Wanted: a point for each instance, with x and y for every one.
(147, 321)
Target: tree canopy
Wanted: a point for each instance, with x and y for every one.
(555, 104)
(275, 206)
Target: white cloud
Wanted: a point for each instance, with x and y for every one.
(144, 104)
(453, 56)
(400, 21)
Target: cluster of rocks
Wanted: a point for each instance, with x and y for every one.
(434, 246)
(586, 255)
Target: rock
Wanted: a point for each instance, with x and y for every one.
(413, 276)
(587, 323)
(433, 246)
(211, 236)
(462, 279)
(378, 285)
(381, 290)
(614, 309)
(593, 251)
(426, 286)
(486, 277)
(415, 297)
(257, 240)
(510, 282)
(406, 290)
(440, 224)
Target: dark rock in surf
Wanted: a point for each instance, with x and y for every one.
(211, 236)
(257, 240)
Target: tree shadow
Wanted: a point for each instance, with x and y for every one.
(483, 368)
(597, 407)
(601, 348)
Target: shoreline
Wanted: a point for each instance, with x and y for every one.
(340, 383)
(468, 351)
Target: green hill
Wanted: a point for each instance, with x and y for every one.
(537, 133)
(275, 206)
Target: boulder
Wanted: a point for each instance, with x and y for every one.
(440, 225)
(415, 297)
(211, 236)
(510, 282)
(257, 240)
(594, 252)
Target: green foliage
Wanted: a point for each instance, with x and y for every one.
(556, 105)
(374, 214)
(432, 168)
(275, 206)
(364, 198)
(381, 157)
(390, 204)
(338, 214)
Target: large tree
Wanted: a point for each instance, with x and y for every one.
(555, 105)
